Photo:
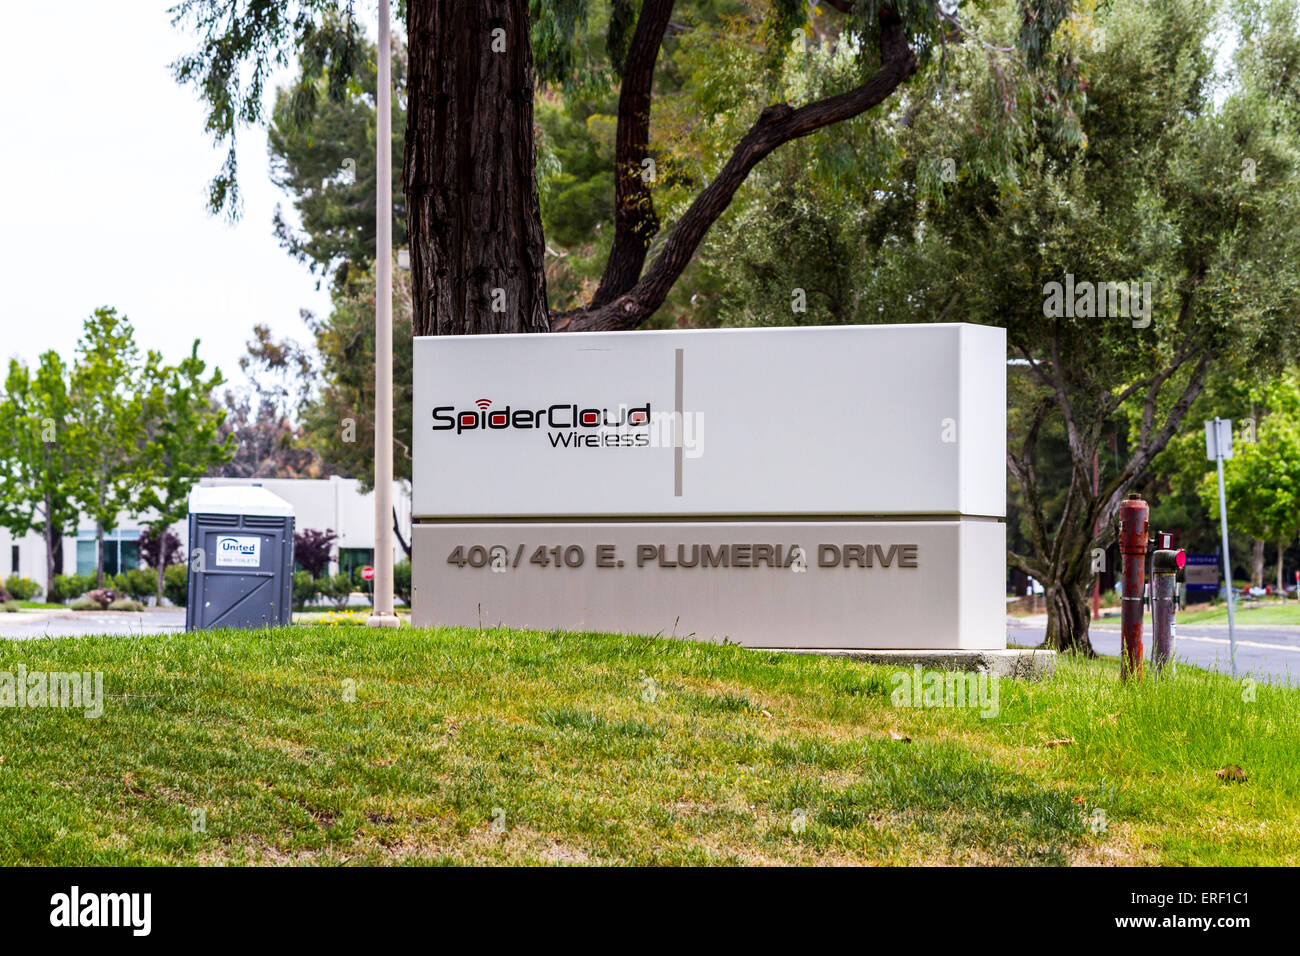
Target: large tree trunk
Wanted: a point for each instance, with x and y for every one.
(99, 554)
(1067, 617)
(475, 225)
(1257, 564)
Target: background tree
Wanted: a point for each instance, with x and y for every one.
(263, 418)
(1262, 479)
(1152, 191)
(36, 458)
(326, 163)
(470, 174)
(105, 423)
(181, 429)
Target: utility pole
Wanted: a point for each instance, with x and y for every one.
(382, 613)
(1218, 446)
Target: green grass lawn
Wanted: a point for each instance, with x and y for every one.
(1288, 613)
(503, 746)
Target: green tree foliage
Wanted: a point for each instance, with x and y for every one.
(263, 418)
(326, 163)
(36, 457)
(112, 435)
(1169, 178)
(339, 419)
(1262, 479)
(181, 441)
(106, 423)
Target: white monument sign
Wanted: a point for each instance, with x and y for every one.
(838, 487)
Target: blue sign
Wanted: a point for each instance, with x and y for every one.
(1202, 572)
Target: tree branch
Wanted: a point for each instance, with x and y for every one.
(635, 220)
(775, 126)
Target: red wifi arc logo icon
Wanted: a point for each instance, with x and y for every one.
(483, 403)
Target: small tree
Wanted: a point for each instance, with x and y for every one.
(105, 423)
(1262, 479)
(160, 553)
(36, 469)
(182, 441)
(311, 550)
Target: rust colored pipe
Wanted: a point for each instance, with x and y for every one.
(1133, 515)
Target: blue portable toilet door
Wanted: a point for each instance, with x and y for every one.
(239, 585)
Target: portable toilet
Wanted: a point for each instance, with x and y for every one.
(241, 558)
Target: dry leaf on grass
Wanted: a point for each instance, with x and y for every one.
(1059, 742)
(895, 735)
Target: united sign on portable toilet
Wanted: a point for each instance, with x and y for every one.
(241, 558)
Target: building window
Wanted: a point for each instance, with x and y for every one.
(121, 551)
(85, 556)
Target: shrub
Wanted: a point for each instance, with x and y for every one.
(169, 549)
(304, 589)
(176, 581)
(337, 589)
(4, 595)
(311, 550)
(67, 587)
(402, 581)
(11, 606)
(125, 604)
(86, 604)
(139, 583)
(21, 589)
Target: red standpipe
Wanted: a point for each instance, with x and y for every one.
(1133, 514)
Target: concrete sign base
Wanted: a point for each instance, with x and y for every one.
(834, 584)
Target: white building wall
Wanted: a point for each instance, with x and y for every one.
(323, 504)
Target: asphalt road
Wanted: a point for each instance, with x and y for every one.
(1268, 653)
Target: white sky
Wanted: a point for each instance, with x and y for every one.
(103, 180)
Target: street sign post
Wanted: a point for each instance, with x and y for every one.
(1218, 446)
(367, 573)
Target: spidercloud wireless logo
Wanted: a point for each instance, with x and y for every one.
(627, 426)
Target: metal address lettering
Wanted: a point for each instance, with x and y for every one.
(500, 557)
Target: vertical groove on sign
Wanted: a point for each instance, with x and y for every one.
(679, 422)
